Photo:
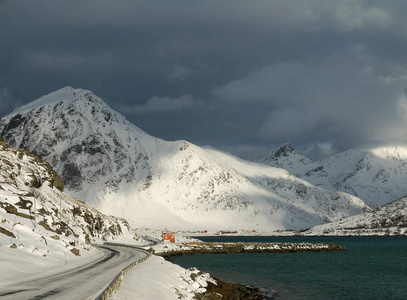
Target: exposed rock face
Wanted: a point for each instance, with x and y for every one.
(121, 170)
(3, 143)
(58, 183)
(7, 232)
(36, 177)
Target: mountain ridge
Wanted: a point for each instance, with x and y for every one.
(120, 169)
(387, 220)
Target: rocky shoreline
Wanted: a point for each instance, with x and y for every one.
(231, 291)
(227, 248)
(228, 290)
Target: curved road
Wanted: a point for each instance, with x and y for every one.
(82, 282)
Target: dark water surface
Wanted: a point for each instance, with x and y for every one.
(372, 268)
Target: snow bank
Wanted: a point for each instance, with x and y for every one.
(159, 279)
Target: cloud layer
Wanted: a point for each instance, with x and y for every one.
(238, 75)
(340, 100)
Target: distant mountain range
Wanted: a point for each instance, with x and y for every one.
(121, 170)
(377, 176)
(389, 219)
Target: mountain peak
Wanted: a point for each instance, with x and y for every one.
(66, 95)
(84, 129)
(287, 158)
(284, 150)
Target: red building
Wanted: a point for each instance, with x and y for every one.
(169, 237)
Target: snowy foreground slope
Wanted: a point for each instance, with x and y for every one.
(377, 176)
(40, 226)
(45, 231)
(121, 170)
(390, 219)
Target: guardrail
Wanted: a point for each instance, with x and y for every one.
(114, 285)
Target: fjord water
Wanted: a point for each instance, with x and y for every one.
(372, 268)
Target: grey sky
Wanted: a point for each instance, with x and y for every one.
(242, 76)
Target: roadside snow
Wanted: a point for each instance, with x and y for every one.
(159, 279)
(25, 262)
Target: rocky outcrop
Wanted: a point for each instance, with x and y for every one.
(35, 178)
(7, 232)
(3, 143)
(231, 291)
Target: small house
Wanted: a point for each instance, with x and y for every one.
(169, 237)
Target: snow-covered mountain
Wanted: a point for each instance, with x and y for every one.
(377, 176)
(40, 220)
(121, 170)
(389, 219)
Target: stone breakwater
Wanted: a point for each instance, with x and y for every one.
(224, 248)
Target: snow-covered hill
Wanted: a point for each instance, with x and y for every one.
(39, 220)
(121, 170)
(377, 176)
(389, 219)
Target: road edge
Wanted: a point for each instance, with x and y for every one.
(114, 285)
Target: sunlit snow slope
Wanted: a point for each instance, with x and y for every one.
(123, 171)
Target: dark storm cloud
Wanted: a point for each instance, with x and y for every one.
(340, 100)
(242, 76)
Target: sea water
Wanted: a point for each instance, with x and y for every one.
(372, 268)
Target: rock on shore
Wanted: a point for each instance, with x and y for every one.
(231, 291)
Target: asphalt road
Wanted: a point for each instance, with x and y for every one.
(82, 282)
